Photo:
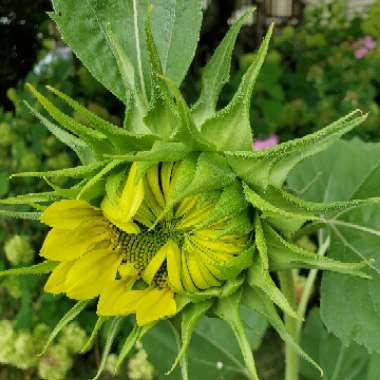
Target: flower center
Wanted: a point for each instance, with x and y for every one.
(139, 249)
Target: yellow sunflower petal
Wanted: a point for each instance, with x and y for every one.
(91, 273)
(110, 300)
(117, 217)
(154, 185)
(56, 281)
(166, 173)
(173, 257)
(132, 195)
(199, 280)
(156, 263)
(187, 281)
(68, 214)
(67, 245)
(156, 304)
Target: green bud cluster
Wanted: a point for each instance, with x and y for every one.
(18, 250)
(139, 368)
(21, 349)
(6, 135)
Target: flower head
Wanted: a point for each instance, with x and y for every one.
(174, 214)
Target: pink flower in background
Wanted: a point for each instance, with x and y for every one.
(362, 46)
(265, 143)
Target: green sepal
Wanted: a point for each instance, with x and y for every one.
(134, 336)
(228, 309)
(217, 72)
(81, 149)
(99, 177)
(27, 215)
(230, 128)
(110, 337)
(113, 183)
(258, 276)
(287, 221)
(96, 140)
(291, 203)
(186, 130)
(162, 116)
(80, 171)
(240, 224)
(31, 198)
(285, 255)
(257, 300)
(230, 202)
(271, 166)
(160, 152)
(41, 268)
(210, 172)
(72, 192)
(94, 333)
(68, 317)
(190, 316)
(229, 287)
(122, 140)
(133, 119)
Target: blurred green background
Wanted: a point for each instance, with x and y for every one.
(323, 63)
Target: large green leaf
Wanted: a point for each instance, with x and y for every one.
(338, 361)
(84, 24)
(350, 306)
(213, 352)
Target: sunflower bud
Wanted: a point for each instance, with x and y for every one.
(174, 216)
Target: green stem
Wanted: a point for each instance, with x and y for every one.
(309, 284)
(246, 350)
(291, 356)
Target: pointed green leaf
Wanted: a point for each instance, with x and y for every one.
(81, 149)
(68, 317)
(90, 341)
(257, 300)
(285, 255)
(228, 309)
(99, 176)
(135, 335)
(160, 152)
(286, 221)
(30, 199)
(111, 335)
(271, 166)
(96, 140)
(120, 138)
(28, 215)
(230, 128)
(77, 172)
(186, 130)
(258, 274)
(42, 268)
(217, 73)
(191, 315)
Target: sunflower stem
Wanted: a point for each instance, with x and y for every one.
(312, 276)
(287, 282)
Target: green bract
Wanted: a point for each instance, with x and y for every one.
(213, 146)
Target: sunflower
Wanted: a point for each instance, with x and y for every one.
(173, 216)
(135, 252)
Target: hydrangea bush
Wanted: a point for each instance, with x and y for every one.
(172, 216)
